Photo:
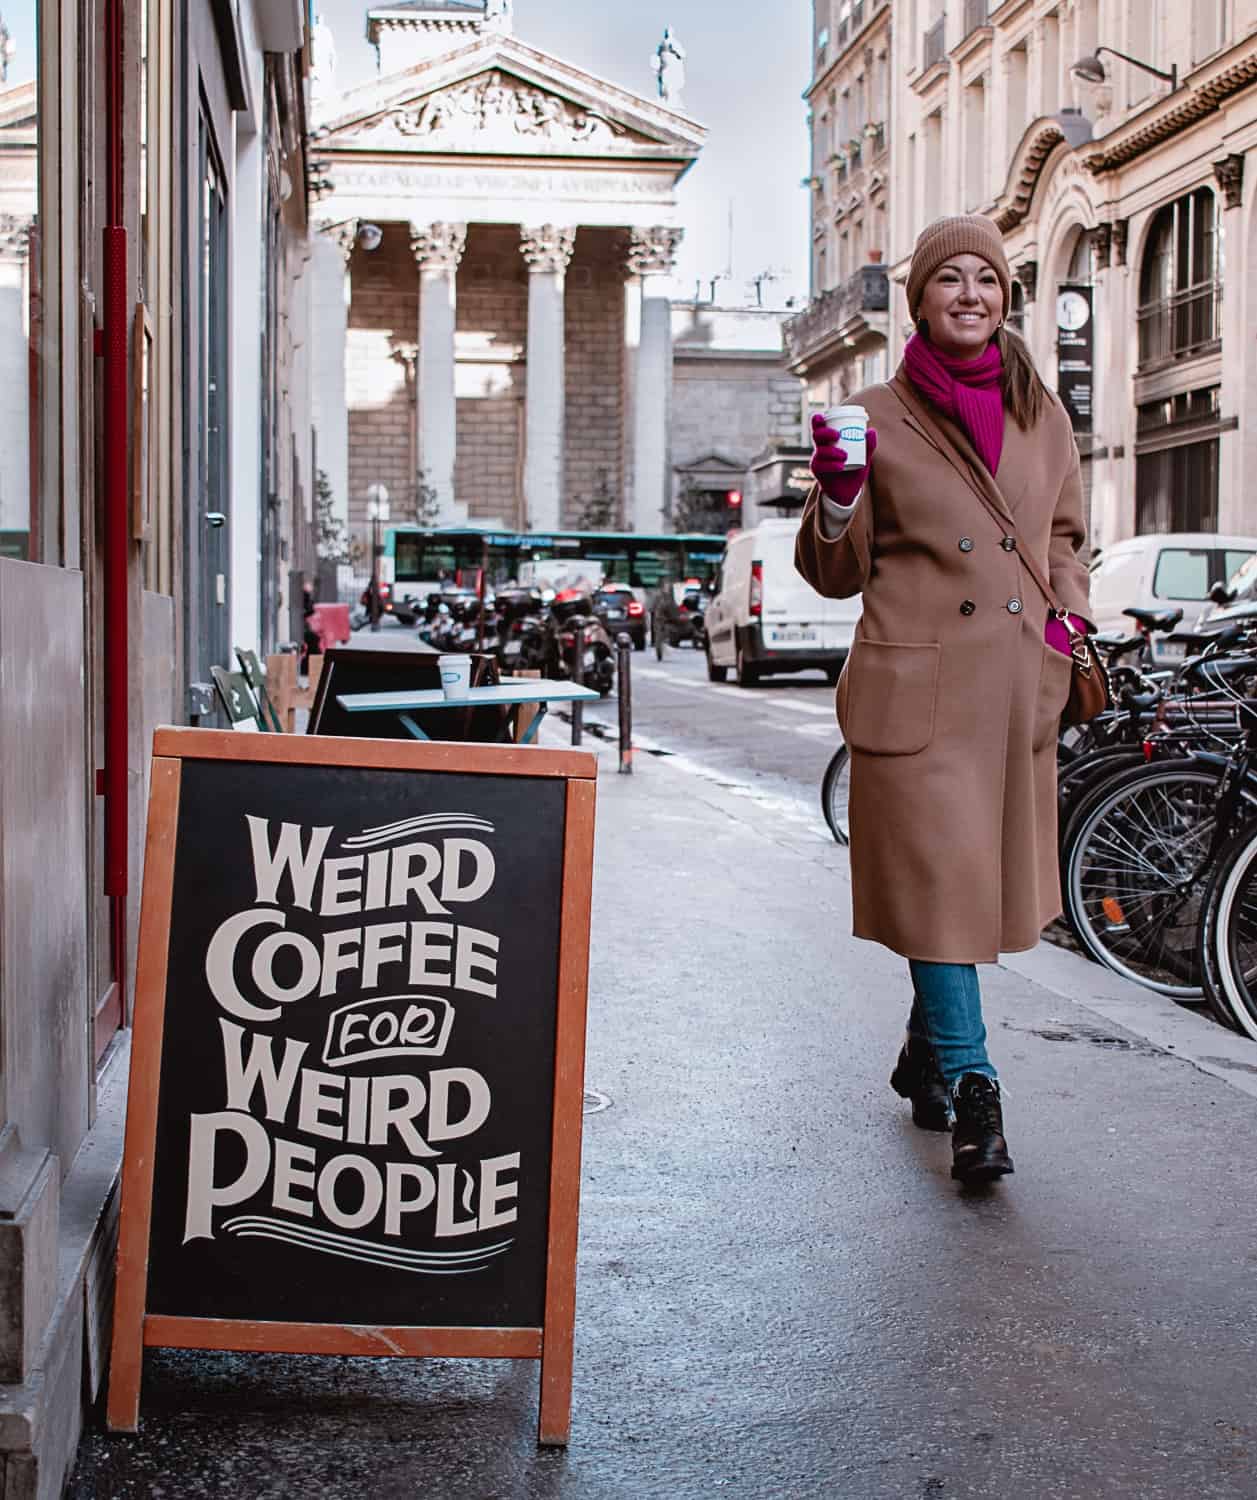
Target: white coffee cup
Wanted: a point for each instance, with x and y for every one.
(455, 676)
(851, 424)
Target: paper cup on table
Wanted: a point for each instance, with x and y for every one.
(455, 676)
(851, 424)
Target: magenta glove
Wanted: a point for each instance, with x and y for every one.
(1056, 636)
(838, 484)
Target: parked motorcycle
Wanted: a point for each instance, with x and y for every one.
(521, 631)
(572, 616)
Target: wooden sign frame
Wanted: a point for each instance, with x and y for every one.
(135, 1329)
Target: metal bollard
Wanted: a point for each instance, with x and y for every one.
(578, 677)
(624, 685)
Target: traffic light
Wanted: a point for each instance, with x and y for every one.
(733, 499)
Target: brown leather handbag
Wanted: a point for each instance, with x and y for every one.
(1090, 693)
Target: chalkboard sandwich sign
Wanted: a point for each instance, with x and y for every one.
(357, 1073)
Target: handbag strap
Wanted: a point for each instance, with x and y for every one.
(1005, 524)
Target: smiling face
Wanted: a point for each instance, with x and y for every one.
(963, 303)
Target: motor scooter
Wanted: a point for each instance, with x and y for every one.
(521, 631)
(572, 616)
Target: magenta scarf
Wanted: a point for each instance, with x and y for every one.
(968, 391)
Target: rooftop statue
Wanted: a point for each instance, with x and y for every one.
(668, 65)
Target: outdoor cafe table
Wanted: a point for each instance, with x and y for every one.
(504, 695)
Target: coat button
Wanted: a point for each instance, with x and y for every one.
(966, 544)
(1014, 606)
(968, 607)
(1009, 544)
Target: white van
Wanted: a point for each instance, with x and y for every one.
(1169, 570)
(764, 618)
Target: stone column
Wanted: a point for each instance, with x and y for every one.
(548, 251)
(651, 256)
(15, 411)
(438, 248)
(329, 318)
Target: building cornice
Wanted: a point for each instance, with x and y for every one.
(1170, 114)
(969, 46)
(1008, 11)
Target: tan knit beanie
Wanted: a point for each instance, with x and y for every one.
(962, 234)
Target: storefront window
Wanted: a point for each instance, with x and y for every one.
(1176, 464)
(1180, 293)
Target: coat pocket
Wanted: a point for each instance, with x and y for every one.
(889, 702)
(1054, 684)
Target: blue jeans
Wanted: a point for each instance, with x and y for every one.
(947, 1012)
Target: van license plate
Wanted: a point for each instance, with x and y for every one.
(793, 635)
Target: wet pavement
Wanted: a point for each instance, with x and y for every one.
(782, 1293)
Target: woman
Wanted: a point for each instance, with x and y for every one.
(951, 697)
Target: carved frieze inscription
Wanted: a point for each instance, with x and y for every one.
(356, 180)
(497, 108)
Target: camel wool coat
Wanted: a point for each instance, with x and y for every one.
(950, 700)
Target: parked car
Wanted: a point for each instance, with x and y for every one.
(619, 608)
(1233, 601)
(765, 618)
(1177, 569)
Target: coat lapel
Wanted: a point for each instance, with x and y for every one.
(954, 444)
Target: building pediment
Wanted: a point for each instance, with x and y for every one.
(501, 97)
(714, 463)
(19, 115)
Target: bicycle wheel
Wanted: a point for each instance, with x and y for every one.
(1133, 882)
(835, 788)
(1228, 935)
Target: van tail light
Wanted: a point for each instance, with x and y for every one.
(757, 588)
(636, 609)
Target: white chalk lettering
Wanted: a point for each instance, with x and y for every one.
(289, 1177)
(396, 1203)
(440, 1126)
(476, 953)
(287, 858)
(243, 1077)
(203, 1196)
(372, 1191)
(342, 886)
(321, 1094)
(220, 963)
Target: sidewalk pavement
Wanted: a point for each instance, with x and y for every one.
(782, 1293)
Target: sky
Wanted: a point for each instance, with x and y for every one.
(747, 63)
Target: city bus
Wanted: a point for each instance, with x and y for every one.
(422, 558)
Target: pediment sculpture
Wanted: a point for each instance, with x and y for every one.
(498, 106)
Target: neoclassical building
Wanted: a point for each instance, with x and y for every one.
(491, 303)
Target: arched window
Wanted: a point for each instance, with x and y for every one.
(1180, 294)
(1082, 262)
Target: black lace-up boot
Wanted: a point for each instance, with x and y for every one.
(979, 1150)
(916, 1077)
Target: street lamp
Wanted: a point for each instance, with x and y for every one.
(1091, 70)
(377, 514)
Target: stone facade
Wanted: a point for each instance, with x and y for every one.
(1136, 191)
(734, 401)
(838, 344)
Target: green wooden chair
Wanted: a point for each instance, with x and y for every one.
(236, 697)
(255, 675)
